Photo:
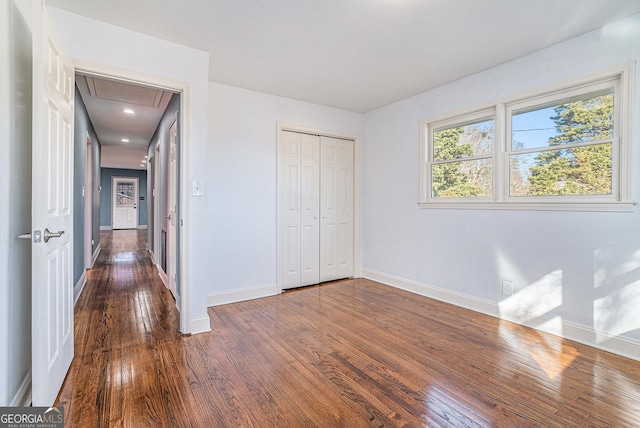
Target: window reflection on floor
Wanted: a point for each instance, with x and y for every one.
(124, 256)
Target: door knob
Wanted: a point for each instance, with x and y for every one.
(48, 234)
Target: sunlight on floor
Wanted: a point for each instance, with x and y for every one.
(552, 354)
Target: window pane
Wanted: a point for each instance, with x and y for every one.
(462, 179)
(577, 171)
(587, 118)
(463, 141)
(124, 194)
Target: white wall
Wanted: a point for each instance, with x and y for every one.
(581, 270)
(15, 203)
(126, 53)
(241, 192)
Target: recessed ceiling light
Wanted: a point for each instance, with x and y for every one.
(125, 140)
(141, 164)
(129, 111)
(145, 156)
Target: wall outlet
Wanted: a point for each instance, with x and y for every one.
(507, 287)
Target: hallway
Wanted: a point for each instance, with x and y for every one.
(351, 353)
(127, 342)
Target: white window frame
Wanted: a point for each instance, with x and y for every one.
(466, 119)
(620, 78)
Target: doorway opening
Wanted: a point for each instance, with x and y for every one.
(138, 128)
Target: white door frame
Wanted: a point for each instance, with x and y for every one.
(357, 270)
(114, 197)
(130, 76)
(88, 204)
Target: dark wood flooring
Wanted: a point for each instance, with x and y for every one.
(351, 353)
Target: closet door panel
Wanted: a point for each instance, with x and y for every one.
(309, 210)
(290, 165)
(336, 209)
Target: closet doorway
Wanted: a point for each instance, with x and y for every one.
(315, 208)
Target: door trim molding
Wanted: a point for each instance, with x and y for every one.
(357, 267)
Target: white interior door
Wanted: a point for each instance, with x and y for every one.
(88, 206)
(289, 165)
(309, 210)
(157, 221)
(336, 209)
(124, 202)
(52, 282)
(172, 244)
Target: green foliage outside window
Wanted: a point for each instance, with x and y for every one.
(584, 170)
(460, 175)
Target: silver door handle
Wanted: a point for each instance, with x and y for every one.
(25, 236)
(48, 234)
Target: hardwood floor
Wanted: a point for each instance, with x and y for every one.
(351, 353)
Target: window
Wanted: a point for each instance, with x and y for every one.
(462, 155)
(566, 147)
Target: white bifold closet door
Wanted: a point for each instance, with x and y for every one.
(316, 209)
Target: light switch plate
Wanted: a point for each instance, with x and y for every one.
(197, 188)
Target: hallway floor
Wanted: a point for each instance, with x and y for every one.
(351, 353)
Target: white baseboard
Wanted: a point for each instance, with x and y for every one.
(478, 305)
(77, 289)
(587, 336)
(95, 255)
(200, 324)
(163, 275)
(22, 398)
(106, 228)
(153, 259)
(142, 226)
(233, 296)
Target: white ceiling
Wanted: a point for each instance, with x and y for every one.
(356, 55)
(106, 101)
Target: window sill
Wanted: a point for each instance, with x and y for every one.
(626, 207)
